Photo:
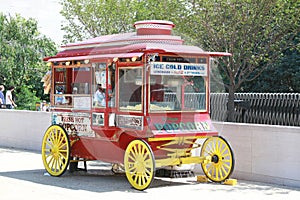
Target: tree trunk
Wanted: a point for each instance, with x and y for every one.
(230, 104)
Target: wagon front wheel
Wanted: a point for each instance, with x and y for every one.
(139, 164)
(222, 159)
(56, 150)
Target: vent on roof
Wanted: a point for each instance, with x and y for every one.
(154, 27)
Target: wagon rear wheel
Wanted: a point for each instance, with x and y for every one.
(56, 150)
(139, 164)
(222, 159)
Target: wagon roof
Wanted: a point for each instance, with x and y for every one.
(151, 36)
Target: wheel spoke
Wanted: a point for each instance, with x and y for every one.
(50, 145)
(225, 155)
(139, 179)
(146, 155)
(59, 163)
(60, 141)
(46, 151)
(50, 161)
(56, 164)
(134, 151)
(47, 156)
(223, 151)
(211, 147)
(51, 137)
(62, 146)
(223, 170)
(131, 157)
(213, 170)
(208, 152)
(144, 179)
(216, 144)
(210, 167)
(216, 173)
(133, 170)
(139, 152)
(53, 163)
(221, 174)
(226, 160)
(62, 156)
(148, 163)
(148, 172)
(227, 166)
(135, 177)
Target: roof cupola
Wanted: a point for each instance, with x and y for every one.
(154, 27)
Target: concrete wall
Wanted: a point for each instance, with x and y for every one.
(23, 129)
(262, 152)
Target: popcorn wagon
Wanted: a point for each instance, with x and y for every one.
(154, 109)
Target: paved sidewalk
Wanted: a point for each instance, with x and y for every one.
(22, 176)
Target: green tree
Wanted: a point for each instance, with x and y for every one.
(256, 33)
(22, 49)
(280, 77)
(88, 19)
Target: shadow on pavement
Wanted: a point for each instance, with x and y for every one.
(99, 178)
(93, 180)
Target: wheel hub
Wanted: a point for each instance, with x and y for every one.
(55, 151)
(139, 164)
(215, 159)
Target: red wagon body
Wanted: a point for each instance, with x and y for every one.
(153, 112)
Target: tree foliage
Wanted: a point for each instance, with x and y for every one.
(87, 19)
(256, 32)
(280, 77)
(22, 49)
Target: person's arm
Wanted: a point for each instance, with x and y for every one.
(2, 97)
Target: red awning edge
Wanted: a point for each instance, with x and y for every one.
(90, 57)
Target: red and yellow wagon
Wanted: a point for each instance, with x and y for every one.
(154, 110)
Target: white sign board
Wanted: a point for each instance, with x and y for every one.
(74, 123)
(82, 103)
(185, 69)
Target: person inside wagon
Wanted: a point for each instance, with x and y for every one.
(99, 97)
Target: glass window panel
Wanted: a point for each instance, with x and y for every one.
(176, 93)
(130, 89)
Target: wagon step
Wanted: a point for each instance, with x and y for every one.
(174, 173)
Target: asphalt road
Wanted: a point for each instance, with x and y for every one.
(22, 176)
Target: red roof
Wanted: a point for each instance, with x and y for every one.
(105, 46)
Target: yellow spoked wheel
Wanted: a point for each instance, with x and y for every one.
(56, 150)
(222, 159)
(139, 164)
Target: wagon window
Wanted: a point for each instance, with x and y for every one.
(60, 85)
(130, 89)
(99, 79)
(72, 86)
(80, 80)
(175, 93)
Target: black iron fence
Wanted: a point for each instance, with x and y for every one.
(259, 108)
